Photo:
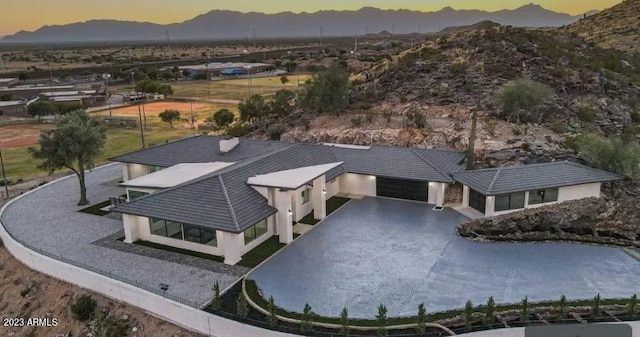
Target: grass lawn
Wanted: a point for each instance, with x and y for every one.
(332, 204)
(96, 209)
(179, 251)
(261, 253)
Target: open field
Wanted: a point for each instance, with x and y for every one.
(236, 89)
(20, 135)
(152, 110)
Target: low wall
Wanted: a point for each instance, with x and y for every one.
(177, 313)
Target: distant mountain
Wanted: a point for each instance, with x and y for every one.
(236, 25)
(617, 27)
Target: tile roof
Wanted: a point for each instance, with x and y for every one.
(520, 178)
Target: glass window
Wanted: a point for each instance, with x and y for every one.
(174, 230)
(153, 168)
(158, 227)
(208, 237)
(133, 195)
(502, 202)
(192, 234)
(255, 231)
(261, 228)
(505, 202)
(543, 196)
(305, 196)
(517, 200)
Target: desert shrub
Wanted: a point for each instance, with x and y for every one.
(238, 130)
(516, 130)
(522, 99)
(110, 327)
(275, 131)
(223, 117)
(526, 147)
(370, 116)
(489, 124)
(83, 309)
(558, 126)
(356, 121)
(415, 118)
(586, 111)
(629, 133)
(610, 154)
(458, 126)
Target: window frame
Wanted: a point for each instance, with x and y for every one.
(542, 194)
(165, 225)
(253, 232)
(305, 196)
(510, 202)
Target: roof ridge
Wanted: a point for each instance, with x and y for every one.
(430, 164)
(156, 146)
(226, 197)
(495, 179)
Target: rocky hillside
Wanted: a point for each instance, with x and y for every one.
(594, 87)
(617, 27)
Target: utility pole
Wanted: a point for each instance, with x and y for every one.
(193, 127)
(4, 175)
(141, 130)
(254, 38)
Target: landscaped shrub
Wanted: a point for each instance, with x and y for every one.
(242, 308)
(489, 314)
(524, 310)
(271, 313)
(216, 304)
(344, 323)
(468, 315)
(421, 320)
(596, 308)
(562, 308)
(633, 304)
(382, 321)
(83, 309)
(275, 131)
(306, 324)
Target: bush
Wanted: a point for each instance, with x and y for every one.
(416, 119)
(526, 147)
(610, 154)
(238, 130)
(522, 99)
(110, 327)
(344, 323)
(489, 125)
(558, 126)
(242, 308)
(275, 131)
(516, 130)
(382, 321)
(356, 121)
(306, 324)
(271, 313)
(524, 310)
(586, 111)
(6, 182)
(370, 116)
(468, 315)
(216, 304)
(223, 117)
(489, 315)
(83, 309)
(421, 320)
(327, 91)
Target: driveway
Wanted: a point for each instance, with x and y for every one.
(402, 253)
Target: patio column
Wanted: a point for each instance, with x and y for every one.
(440, 188)
(465, 196)
(131, 232)
(490, 205)
(319, 197)
(284, 222)
(232, 247)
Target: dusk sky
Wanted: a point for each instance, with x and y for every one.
(16, 15)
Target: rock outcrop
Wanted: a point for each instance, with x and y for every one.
(594, 220)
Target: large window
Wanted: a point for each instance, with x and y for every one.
(305, 195)
(255, 231)
(180, 231)
(133, 195)
(153, 168)
(505, 202)
(543, 196)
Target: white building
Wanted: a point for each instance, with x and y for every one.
(225, 196)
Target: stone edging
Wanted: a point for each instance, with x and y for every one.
(336, 326)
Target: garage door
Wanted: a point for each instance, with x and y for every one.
(402, 189)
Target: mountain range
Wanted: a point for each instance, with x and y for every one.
(221, 24)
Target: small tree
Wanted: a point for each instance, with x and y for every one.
(489, 315)
(327, 91)
(306, 324)
(344, 323)
(468, 315)
(216, 304)
(524, 310)
(272, 319)
(223, 117)
(596, 308)
(75, 143)
(382, 321)
(83, 308)
(170, 116)
(633, 304)
(242, 307)
(253, 108)
(421, 320)
(284, 79)
(42, 108)
(562, 308)
(281, 105)
(522, 98)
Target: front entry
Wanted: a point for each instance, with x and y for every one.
(477, 200)
(402, 189)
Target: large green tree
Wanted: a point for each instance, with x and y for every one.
(75, 143)
(610, 154)
(170, 116)
(253, 108)
(327, 91)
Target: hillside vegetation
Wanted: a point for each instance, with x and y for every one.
(593, 88)
(617, 27)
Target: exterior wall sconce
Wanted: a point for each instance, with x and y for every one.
(372, 177)
(324, 191)
(290, 212)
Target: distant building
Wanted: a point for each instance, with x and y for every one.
(8, 82)
(19, 92)
(228, 68)
(14, 108)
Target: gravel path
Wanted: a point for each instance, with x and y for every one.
(49, 220)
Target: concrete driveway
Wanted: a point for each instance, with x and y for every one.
(402, 253)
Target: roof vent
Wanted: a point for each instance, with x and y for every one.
(226, 145)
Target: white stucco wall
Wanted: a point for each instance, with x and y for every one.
(333, 187)
(433, 191)
(134, 171)
(579, 192)
(465, 196)
(299, 209)
(358, 184)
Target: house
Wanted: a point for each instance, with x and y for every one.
(503, 190)
(225, 196)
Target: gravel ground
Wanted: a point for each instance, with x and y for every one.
(49, 219)
(401, 254)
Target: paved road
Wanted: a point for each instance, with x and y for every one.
(48, 219)
(402, 253)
